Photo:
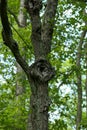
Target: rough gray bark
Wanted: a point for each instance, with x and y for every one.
(40, 72)
(79, 84)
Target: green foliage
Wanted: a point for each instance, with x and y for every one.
(83, 123)
(58, 125)
(13, 112)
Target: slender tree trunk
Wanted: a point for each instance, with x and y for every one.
(86, 76)
(20, 78)
(79, 80)
(86, 65)
(22, 14)
(79, 85)
(79, 104)
(86, 90)
(20, 89)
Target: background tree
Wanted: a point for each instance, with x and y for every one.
(79, 82)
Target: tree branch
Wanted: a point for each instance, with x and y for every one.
(80, 48)
(33, 7)
(48, 24)
(41, 32)
(21, 37)
(21, 20)
(10, 12)
(8, 39)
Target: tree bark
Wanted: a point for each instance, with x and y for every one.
(86, 64)
(40, 72)
(39, 107)
(22, 15)
(86, 74)
(79, 84)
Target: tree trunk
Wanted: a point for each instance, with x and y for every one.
(86, 65)
(79, 85)
(79, 105)
(39, 106)
(40, 72)
(86, 90)
(86, 76)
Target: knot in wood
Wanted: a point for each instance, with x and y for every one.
(42, 70)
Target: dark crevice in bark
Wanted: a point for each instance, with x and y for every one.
(42, 71)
